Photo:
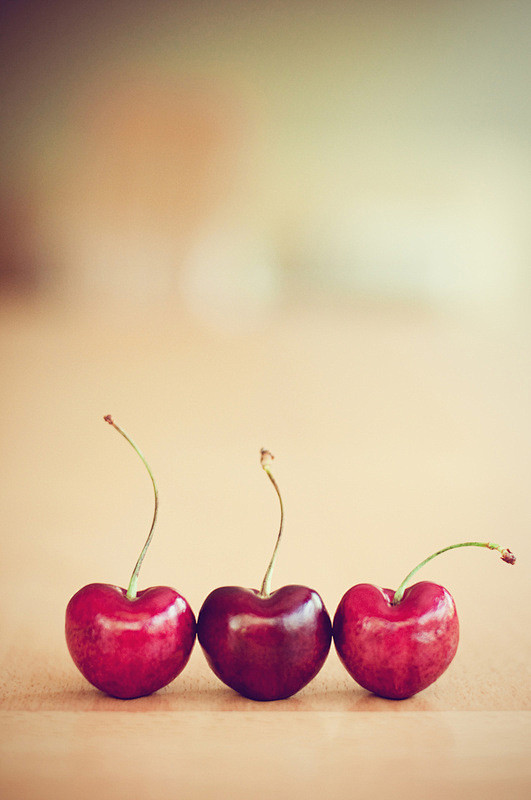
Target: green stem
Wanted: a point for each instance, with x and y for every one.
(131, 590)
(265, 460)
(506, 555)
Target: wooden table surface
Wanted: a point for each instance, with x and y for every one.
(396, 431)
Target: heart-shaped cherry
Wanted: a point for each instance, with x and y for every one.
(397, 643)
(130, 644)
(265, 645)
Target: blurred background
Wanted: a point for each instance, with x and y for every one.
(297, 225)
(232, 154)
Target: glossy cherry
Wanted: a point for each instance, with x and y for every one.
(396, 643)
(130, 643)
(266, 645)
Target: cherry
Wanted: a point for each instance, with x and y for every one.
(266, 645)
(397, 643)
(130, 643)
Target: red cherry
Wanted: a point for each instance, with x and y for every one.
(265, 645)
(130, 643)
(266, 648)
(395, 651)
(397, 643)
(129, 648)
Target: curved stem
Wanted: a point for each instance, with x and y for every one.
(265, 460)
(131, 590)
(506, 555)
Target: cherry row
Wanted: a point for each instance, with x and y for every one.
(264, 644)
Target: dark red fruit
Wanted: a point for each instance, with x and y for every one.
(266, 648)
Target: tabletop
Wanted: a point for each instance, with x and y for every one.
(396, 431)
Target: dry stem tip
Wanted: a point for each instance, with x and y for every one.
(507, 556)
(265, 457)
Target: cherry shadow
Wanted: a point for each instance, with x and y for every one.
(217, 698)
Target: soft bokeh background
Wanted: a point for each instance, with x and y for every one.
(296, 225)
(228, 152)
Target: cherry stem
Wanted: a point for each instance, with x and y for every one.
(131, 590)
(506, 555)
(265, 460)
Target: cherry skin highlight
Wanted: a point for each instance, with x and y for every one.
(265, 645)
(130, 643)
(397, 643)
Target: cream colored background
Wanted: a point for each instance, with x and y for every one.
(302, 226)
